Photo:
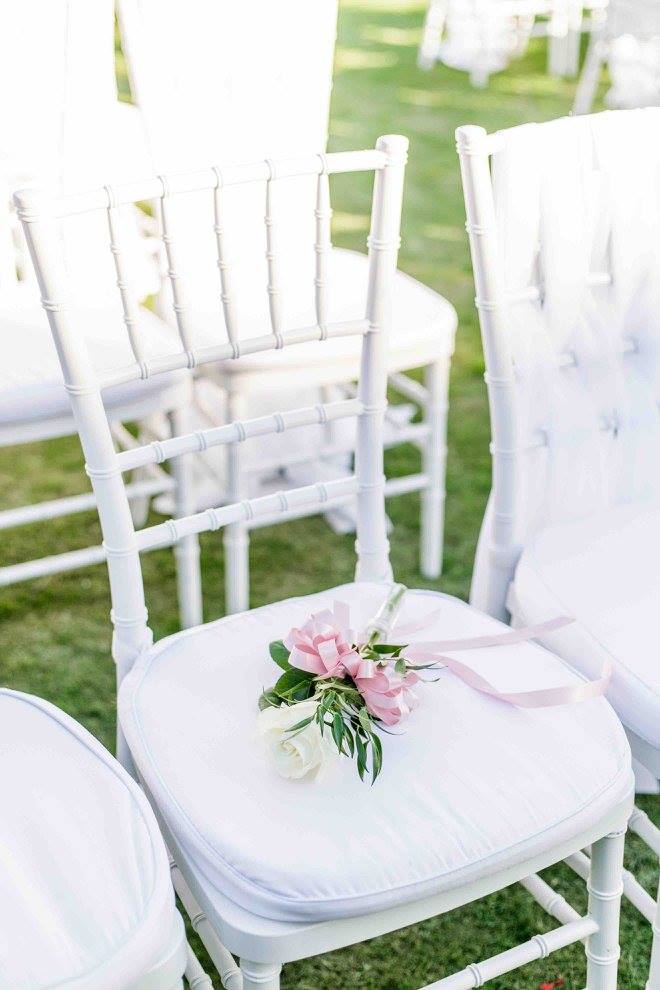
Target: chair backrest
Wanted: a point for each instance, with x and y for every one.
(105, 466)
(566, 258)
(229, 82)
(55, 95)
(61, 123)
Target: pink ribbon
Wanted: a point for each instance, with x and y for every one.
(435, 653)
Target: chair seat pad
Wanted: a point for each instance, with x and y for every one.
(423, 324)
(469, 785)
(85, 897)
(603, 571)
(31, 384)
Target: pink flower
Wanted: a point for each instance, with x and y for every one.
(387, 695)
(323, 645)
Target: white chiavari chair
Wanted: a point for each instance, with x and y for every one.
(567, 266)
(202, 100)
(476, 795)
(483, 36)
(86, 901)
(475, 36)
(628, 43)
(65, 127)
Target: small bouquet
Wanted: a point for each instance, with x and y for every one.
(337, 690)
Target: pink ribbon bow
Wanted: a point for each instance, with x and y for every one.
(323, 645)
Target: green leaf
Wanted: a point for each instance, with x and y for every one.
(400, 668)
(295, 685)
(376, 757)
(338, 731)
(328, 699)
(361, 756)
(386, 648)
(299, 726)
(280, 654)
(269, 699)
(348, 736)
(365, 719)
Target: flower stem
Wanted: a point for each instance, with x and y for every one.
(383, 621)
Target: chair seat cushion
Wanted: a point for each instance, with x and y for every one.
(423, 323)
(85, 897)
(469, 784)
(604, 571)
(31, 385)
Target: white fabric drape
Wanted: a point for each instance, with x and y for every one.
(575, 199)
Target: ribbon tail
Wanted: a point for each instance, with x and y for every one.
(567, 694)
(405, 628)
(509, 638)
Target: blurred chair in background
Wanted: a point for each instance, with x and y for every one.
(475, 36)
(628, 43)
(64, 127)
(482, 37)
(203, 100)
(566, 256)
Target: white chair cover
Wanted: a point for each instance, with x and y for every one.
(63, 126)
(633, 30)
(587, 356)
(229, 83)
(85, 895)
(482, 37)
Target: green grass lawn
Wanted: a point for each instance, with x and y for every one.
(55, 632)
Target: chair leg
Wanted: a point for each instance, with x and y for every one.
(186, 551)
(260, 976)
(436, 381)
(433, 26)
(479, 78)
(605, 890)
(586, 89)
(236, 537)
(196, 978)
(654, 970)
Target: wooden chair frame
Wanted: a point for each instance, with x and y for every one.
(264, 945)
(475, 146)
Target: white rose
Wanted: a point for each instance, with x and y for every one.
(297, 754)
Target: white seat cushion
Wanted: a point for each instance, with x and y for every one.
(84, 876)
(469, 786)
(423, 323)
(31, 384)
(603, 570)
